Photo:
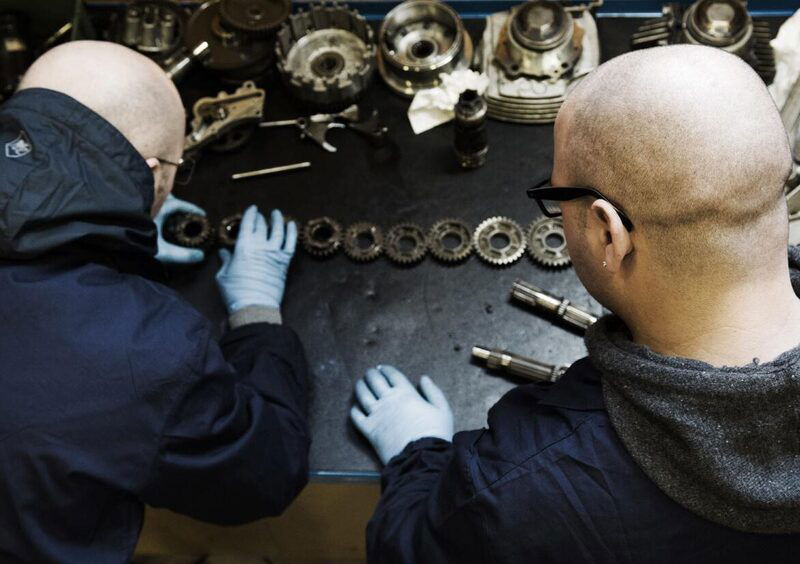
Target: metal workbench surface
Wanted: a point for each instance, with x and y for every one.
(423, 319)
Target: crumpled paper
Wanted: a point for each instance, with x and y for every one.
(435, 106)
(787, 59)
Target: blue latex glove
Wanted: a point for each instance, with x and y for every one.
(395, 414)
(167, 252)
(255, 275)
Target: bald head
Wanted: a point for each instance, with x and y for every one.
(127, 89)
(687, 140)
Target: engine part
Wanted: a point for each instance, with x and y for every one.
(406, 243)
(219, 116)
(560, 307)
(498, 359)
(725, 24)
(450, 240)
(534, 55)
(418, 40)
(471, 142)
(326, 56)
(152, 27)
(363, 241)
(229, 230)
(242, 44)
(322, 236)
(316, 127)
(179, 64)
(547, 243)
(15, 54)
(272, 170)
(189, 230)
(499, 241)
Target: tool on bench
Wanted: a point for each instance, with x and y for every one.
(561, 307)
(272, 170)
(518, 365)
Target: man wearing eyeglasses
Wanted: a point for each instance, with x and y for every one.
(114, 392)
(676, 439)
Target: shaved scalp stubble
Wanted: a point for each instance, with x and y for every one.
(689, 142)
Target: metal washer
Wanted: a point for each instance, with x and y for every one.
(321, 236)
(394, 243)
(354, 250)
(499, 226)
(540, 250)
(445, 228)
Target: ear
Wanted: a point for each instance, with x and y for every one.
(615, 238)
(153, 163)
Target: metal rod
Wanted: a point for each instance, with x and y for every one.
(273, 170)
(519, 365)
(561, 307)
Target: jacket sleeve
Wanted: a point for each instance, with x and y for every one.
(426, 513)
(235, 446)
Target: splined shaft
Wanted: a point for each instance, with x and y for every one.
(561, 307)
(518, 365)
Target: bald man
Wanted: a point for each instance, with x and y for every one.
(114, 392)
(677, 439)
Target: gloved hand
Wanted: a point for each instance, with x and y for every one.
(167, 252)
(256, 272)
(396, 413)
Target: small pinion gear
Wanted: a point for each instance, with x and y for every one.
(547, 243)
(321, 236)
(499, 241)
(254, 16)
(363, 242)
(446, 230)
(406, 243)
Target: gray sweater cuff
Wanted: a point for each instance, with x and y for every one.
(255, 314)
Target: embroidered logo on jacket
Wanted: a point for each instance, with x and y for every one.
(19, 147)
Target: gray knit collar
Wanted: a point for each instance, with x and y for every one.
(722, 442)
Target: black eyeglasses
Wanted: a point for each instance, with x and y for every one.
(184, 169)
(548, 197)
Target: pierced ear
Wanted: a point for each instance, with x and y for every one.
(616, 240)
(153, 163)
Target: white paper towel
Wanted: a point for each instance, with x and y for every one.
(435, 106)
(786, 46)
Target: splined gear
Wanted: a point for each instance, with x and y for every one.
(322, 236)
(450, 229)
(189, 230)
(355, 235)
(406, 243)
(541, 234)
(502, 228)
(229, 230)
(326, 55)
(254, 16)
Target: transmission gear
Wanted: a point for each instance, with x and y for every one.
(254, 16)
(406, 243)
(189, 230)
(499, 241)
(326, 56)
(450, 230)
(363, 241)
(547, 243)
(229, 230)
(322, 236)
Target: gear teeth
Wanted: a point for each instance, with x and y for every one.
(450, 227)
(325, 245)
(503, 226)
(236, 14)
(394, 239)
(538, 247)
(189, 230)
(355, 251)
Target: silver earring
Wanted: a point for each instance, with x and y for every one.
(605, 264)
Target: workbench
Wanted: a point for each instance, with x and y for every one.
(423, 319)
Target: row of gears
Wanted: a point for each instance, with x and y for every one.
(499, 241)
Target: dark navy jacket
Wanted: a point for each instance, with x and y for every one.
(113, 392)
(547, 481)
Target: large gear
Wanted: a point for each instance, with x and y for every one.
(322, 236)
(508, 232)
(326, 55)
(254, 16)
(189, 230)
(406, 243)
(360, 233)
(229, 230)
(547, 243)
(450, 230)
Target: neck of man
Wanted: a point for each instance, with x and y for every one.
(727, 324)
